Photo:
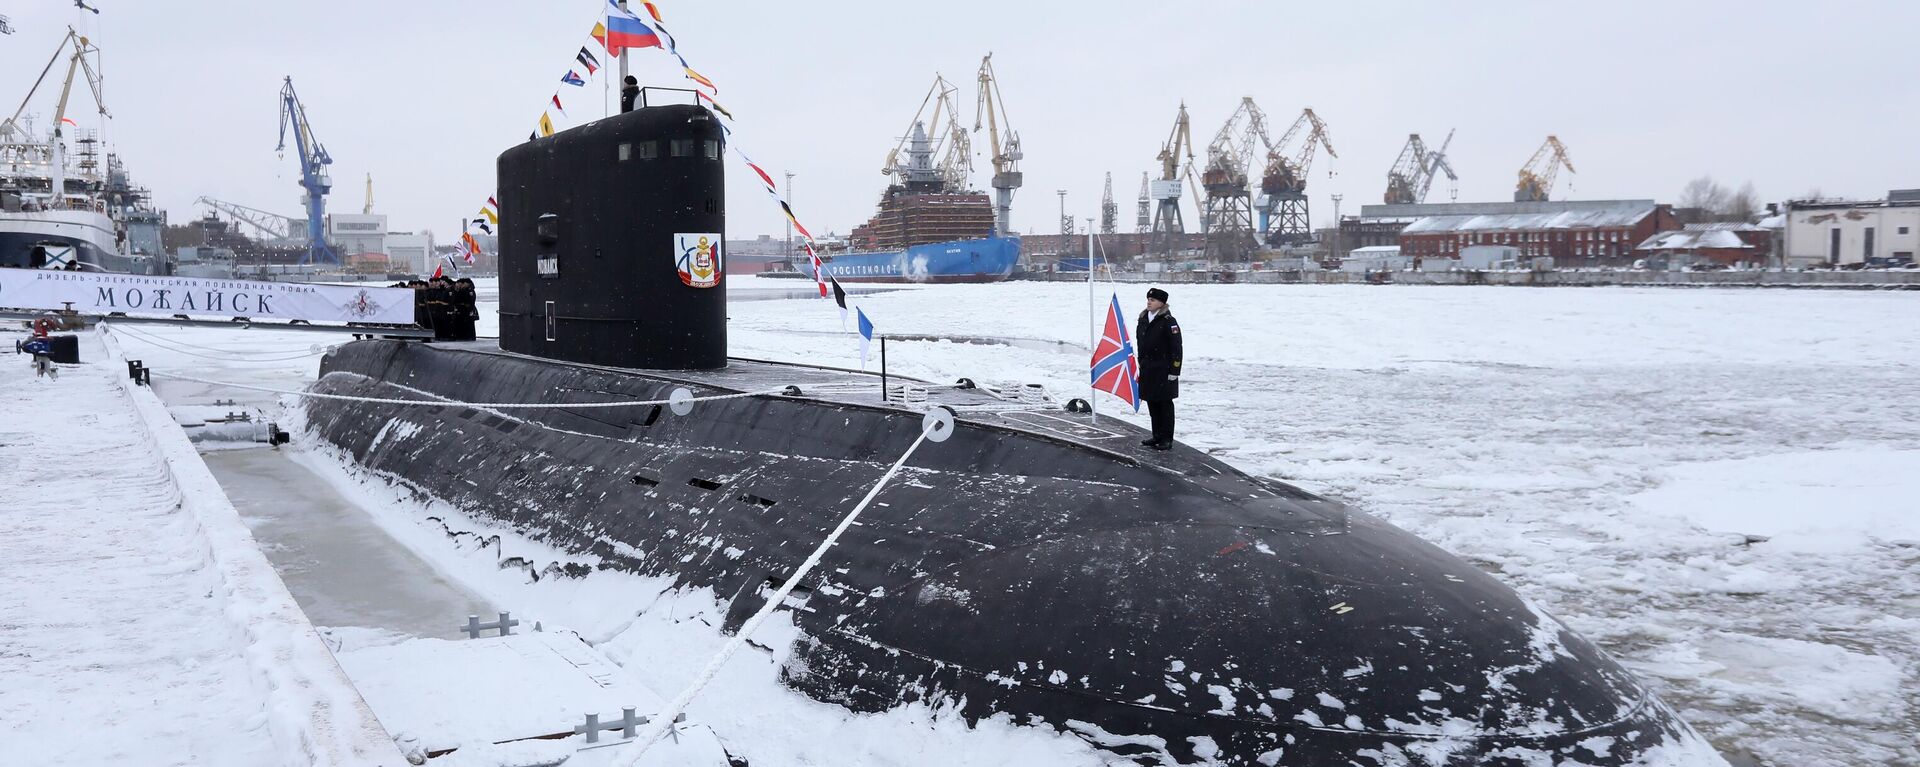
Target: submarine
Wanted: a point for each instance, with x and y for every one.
(1164, 606)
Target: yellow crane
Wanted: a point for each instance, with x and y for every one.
(1536, 177)
(1176, 165)
(1284, 214)
(1006, 146)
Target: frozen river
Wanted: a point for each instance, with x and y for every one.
(1719, 487)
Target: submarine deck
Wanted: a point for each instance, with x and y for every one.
(975, 405)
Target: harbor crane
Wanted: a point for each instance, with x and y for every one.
(950, 143)
(1284, 214)
(1229, 209)
(1536, 177)
(12, 132)
(313, 173)
(1413, 173)
(273, 225)
(1143, 210)
(1109, 210)
(1006, 147)
(1167, 226)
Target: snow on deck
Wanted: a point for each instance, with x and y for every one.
(138, 624)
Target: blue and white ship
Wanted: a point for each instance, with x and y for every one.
(989, 259)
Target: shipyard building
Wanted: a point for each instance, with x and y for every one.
(1875, 233)
(1582, 233)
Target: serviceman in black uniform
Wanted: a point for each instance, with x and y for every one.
(629, 93)
(1158, 336)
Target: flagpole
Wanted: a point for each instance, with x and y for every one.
(1093, 345)
(623, 50)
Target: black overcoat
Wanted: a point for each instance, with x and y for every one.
(1159, 346)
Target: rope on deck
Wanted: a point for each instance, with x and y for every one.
(937, 426)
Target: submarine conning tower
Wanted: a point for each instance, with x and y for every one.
(611, 242)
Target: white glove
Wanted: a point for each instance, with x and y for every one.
(1175, 379)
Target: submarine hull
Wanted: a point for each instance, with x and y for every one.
(1164, 606)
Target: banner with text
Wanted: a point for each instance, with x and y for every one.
(95, 293)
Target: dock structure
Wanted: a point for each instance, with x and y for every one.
(188, 642)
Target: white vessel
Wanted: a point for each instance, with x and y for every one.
(61, 207)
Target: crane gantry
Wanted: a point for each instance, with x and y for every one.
(313, 173)
(1536, 177)
(273, 225)
(919, 173)
(1109, 210)
(1176, 165)
(1006, 146)
(1284, 213)
(1143, 210)
(1228, 213)
(12, 132)
(1413, 172)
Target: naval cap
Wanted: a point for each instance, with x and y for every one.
(1157, 294)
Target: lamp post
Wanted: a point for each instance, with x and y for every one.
(786, 242)
(1335, 255)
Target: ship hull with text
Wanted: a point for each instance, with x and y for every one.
(989, 259)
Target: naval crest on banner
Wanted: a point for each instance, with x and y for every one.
(698, 258)
(361, 306)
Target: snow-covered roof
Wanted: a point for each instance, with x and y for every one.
(1375, 250)
(1625, 213)
(1773, 222)
(1414, 211)
(1724, 226)
(1693, 239)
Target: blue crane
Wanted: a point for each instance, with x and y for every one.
(313, 174)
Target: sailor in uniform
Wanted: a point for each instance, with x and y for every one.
(1158, 336)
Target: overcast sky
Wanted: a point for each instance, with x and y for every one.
(424, 95)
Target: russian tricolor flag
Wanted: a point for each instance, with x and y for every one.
(625, 30)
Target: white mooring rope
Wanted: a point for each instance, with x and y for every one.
(455, 403)
(938, 425)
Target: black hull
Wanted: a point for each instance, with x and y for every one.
(1028, 565)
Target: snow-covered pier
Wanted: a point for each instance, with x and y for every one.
(140, 623)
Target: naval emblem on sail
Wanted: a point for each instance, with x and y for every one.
(698, 259)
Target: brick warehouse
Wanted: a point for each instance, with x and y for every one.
(1586, 233)
(1735, 244)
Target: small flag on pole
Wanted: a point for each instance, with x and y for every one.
(866, 335)
(546, 125)
(819, 274)
(1115, 370)
(588, 60)
(625, 30)
(556, 104)
(840, 297)
(572, 78)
